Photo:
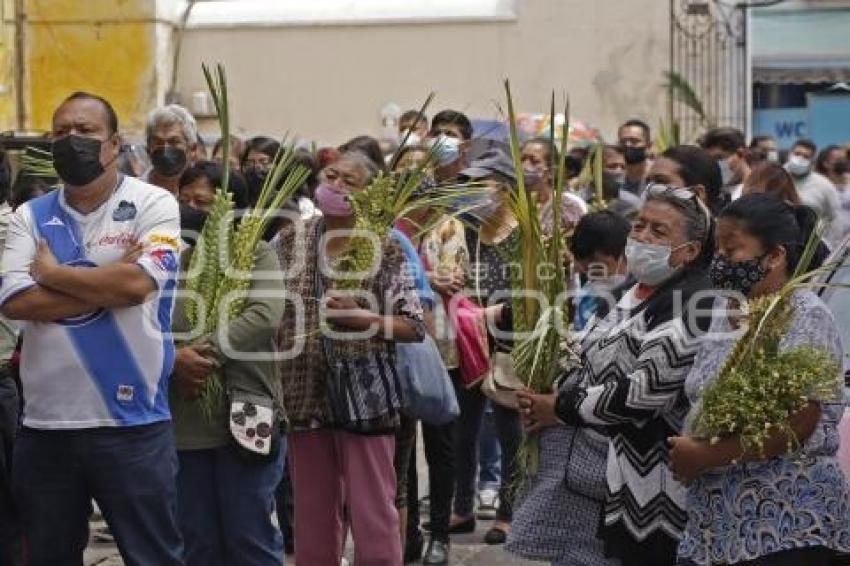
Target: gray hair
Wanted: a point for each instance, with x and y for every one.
(696, 214)
(170, 115)
(366, 166)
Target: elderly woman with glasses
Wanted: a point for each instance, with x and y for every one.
(604, 433)
(341, 390)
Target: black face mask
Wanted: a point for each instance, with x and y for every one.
(191, 223)
(634, 155)
(255, 177)
(841, 167)
(77, 159)
(739, 276)
(168, 161)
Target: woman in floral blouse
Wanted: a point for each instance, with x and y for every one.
(339, 464)
(780, 509)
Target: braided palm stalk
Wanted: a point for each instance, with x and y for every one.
(536, 357)
(206, 261)
(225, 256)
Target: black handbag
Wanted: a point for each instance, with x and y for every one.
(363, 387)
(364, 393)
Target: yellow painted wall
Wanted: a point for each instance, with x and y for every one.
(107, 47)
(7, 66)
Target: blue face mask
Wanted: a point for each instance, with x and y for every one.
(446, 149)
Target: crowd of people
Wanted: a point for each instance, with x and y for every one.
(102, 381)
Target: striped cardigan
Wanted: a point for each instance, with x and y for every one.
(631, 385)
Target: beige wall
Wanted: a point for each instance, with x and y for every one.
(329, 82)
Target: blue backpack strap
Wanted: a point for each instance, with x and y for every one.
(56, 226)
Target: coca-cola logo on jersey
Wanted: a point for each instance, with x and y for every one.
(122, 239)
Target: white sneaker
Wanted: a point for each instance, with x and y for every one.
(488, 503)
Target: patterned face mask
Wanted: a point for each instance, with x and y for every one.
(739, 276)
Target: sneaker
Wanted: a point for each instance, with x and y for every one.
(488, 502)
(437, 553)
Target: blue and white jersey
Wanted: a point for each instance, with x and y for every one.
(108, 368)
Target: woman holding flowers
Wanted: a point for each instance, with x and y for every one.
(760, 507)
(603, 436)
(341, 459)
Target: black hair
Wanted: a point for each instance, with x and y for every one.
(820, 162)
(306, 159)
(456, 118)
(368, 146)
(807, 143)
(614, 149)
(414, 116)
(5, 178)
(26, 185)
(574, 161)
(111, 116)
(260, 144)
(729, 140)
(213, 172)
(635, 123)
(758, 139)
(552, 155)
(775, 222)
(697, 167)
(603, 232)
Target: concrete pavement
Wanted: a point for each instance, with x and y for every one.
(467, 550)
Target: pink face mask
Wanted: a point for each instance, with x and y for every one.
(331, 202)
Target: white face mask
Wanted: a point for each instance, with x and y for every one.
(489, 204)
(726, 172)
(447, 149)
(617, 175)
(412, 139)
(773, 156)
(650, 263)
(798, 166)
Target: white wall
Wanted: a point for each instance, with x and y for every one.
(329, 82)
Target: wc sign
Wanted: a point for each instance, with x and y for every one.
(786, 125)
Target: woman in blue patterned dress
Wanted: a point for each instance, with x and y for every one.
(785, 508)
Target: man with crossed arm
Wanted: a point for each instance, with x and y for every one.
(89, 271)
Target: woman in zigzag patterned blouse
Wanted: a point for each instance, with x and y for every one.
(612, 416)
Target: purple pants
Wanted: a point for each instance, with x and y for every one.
(332, 469)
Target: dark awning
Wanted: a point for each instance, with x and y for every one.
(800, 46)
(801, 75)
